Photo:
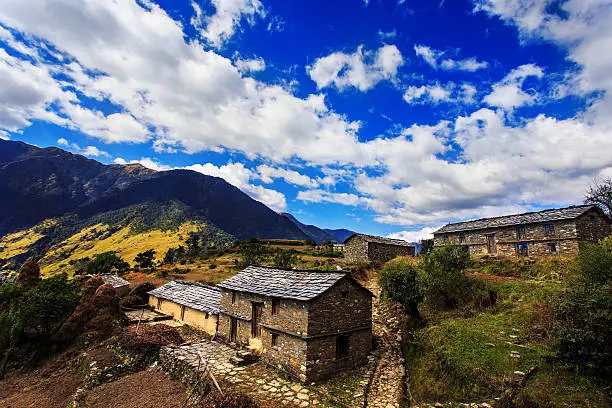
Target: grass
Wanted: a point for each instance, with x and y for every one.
(18, 243)
(464, 355)
(99, 238)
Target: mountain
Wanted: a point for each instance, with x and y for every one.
(41, 183)
(340, 235)
(315, 233)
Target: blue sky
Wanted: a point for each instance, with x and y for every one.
(390, 117)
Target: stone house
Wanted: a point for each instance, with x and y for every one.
(310, 324)
(378, 250)
(192, 303)
(535, 234)
(121, 286)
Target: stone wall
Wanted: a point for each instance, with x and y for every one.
(564, 237)
(356, 250)
(346, 306)
(593, 226)
(380, 253)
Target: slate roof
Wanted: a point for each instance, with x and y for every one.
(380, 240)
(194, 295)
(554, 214)
(291, 284)
(114, 280)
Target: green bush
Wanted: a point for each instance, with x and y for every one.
(284, 258)
(252, 252)
(399, 281)
(583, 339)
(444, 277)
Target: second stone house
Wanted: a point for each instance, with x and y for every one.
(556, 231)
(378, 250)
(310, 324)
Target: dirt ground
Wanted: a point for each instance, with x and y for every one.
(151, 388)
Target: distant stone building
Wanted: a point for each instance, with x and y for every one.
(537, 234)
(310, 324)
(192, 303)
(121, 286)
(369, 248)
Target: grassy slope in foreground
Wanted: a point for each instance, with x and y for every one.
(465, 355)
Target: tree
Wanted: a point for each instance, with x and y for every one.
(193, 244)
(399, 281)
(174, 254)
(252, 252)
(284, 258)
(444, 274)
(582, 339)
(600, 193)
(427, 245)
(107, 262)
(145, 259)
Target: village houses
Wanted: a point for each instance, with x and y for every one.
(534, 234)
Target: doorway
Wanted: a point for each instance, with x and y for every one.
(233, 329)
(256, 312)
(491, 244)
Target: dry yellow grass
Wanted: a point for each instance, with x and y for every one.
(97, 239)
(18, 243)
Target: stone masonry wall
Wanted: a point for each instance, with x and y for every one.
(356, 250)
(593, 226)
(345, 306)
(565, 237)
(322, 354)
(381, 253)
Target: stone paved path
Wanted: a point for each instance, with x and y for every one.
(258, 380)
(387, 381)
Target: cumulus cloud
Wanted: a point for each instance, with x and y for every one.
(250, 65)
(361, 69)
(268, 174)
(62, 142)
(220, 26)
(436, 93)
(436, 60)
(509, 93)
(93, 151)
(414, 236)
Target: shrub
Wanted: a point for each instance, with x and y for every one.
(284, 258)
(585, 314)
(444, 275)
(145, 259)
(252, 252)
(399, 281)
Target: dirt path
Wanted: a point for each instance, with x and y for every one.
(386, 386)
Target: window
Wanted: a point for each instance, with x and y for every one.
(233, 297)
(206, 316)
(552, 247)
(522, 249)
(444, 237)
(461, 237)
(275, 306)
(491, 244)
(549, 229)
(520, 232)
(274, 339)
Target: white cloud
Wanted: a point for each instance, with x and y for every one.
(361, 69)
(268, 173)
(93, 151)
(387, 35)
(322, 196)
(62, 142)
(119, 160)
(509, 93)
(436, 93)
(252, 65)
(220, 26)
(436, 60)
(414, 236)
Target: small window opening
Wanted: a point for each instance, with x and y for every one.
(182, 312)
(158, 303)
(206, 316)
(552, 247)
(549, 229)
(274, 339)
(233, 297)
(275, 306)
(522, 249)
(520, 232)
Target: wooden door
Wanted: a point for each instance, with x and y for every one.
(233, 329)
(256, 312)
(491, 245)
